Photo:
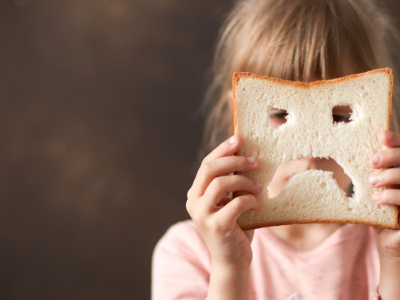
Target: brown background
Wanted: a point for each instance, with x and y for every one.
(99, 133)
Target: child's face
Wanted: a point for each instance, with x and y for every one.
(285, 171)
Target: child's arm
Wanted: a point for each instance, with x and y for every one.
(216, 216)
(388, 240)
(389, 282)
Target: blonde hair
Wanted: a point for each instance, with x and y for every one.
(300, 40)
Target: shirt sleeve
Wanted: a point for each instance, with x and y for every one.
(181, 264)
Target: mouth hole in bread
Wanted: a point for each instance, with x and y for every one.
(341, 114)
(277, 117)
(284, 173)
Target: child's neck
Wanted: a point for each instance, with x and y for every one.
(304, 237)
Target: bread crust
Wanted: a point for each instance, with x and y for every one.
(237, 76)
(306, 85)
(337, 221)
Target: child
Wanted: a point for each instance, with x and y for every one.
(211, 257)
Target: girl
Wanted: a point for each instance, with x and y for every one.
(211, 257)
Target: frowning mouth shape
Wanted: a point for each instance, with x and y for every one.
(288, 170)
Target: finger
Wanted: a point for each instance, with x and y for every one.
(231, 212)
(220, 167)
(192, 206)
(229, 147)
(390, 139)
(389, 196)
(226, 200)
(385, 159)
(221, 185)
(386, 177)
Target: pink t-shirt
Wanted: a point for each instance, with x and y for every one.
(345, 266)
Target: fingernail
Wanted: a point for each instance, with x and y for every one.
(375, 198)
(373, 179)
(376, 158)
(259, 185)
(232, 140)
(251, 160)
(389, 135)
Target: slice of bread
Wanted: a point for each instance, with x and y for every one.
(314, 196)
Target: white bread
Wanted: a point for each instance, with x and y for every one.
(314, 196)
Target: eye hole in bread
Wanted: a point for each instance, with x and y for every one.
(342, 114)
(277, 117)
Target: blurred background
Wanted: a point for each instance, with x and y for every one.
(98, 138)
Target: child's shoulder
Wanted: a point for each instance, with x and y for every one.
(183, 236)
(182, 230)
(183, 226)
(181, 264)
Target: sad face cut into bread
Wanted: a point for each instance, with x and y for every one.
(314, 196)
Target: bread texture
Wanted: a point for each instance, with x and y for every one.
(314, 196)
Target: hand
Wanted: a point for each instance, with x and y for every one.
(215, 213)
(388, 240)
